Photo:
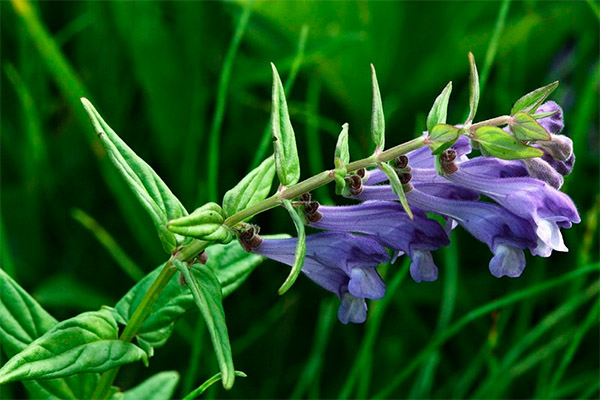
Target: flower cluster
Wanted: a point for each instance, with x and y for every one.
(522, 208)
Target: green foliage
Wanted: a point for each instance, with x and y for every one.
(300, 247)
(441, 137)
(396, 187)
(439, 110)
(532, 100)
(525, 128)
(159, 81)
(22, 321)
(498, 143)
(342, 151)
(85, 343)
(206, 291)
(473, 89)
(284, 139)
(154, 195)
(377, 117)
(253, 188)
(205, 223)
(157, 387)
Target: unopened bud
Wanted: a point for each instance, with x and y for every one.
(540, 169)
(354, 185)
(305, 196)
(405, 178)
(560, 147)
(248, 236)
(401, 162)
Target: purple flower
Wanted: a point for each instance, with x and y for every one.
(339, 262)
(553, 123)
(505, 233)
(529, 198)
(387, 222)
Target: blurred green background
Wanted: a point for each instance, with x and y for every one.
(168, 76)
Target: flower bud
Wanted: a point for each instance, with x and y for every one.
(553, 123)
(543, 171)
(560, 147)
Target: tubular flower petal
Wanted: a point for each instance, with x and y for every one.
(339, 262)
(387, 222)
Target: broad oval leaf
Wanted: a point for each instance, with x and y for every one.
(525, 128)
(205, 223)
(532, 100)
(439, 110)
(300, 247)
(154, 195)
(87, 342)
(253, 188)
(284, 140)
(473, 89)
(206, 290)
(498, 143)
(441, 137)
(377, 117)
(23, 320)
(342, 150)
(396, 187)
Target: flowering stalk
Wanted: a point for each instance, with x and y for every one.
(342, 261)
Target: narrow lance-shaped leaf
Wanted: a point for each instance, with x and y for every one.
(473, 89)
(498, 143)
(284, 140)
(441, 137)
(87, 342)
(209, 382)
(154, 195)
(396, 187)
(206, 291)
(525, 127)
(377, 117)
(231, 264)
(342, 157)
(342, 150)
(439, 110)
(532, 100)
(300, 247)
(158, 387)
(205, 223)
(23, 320)
(253, 188)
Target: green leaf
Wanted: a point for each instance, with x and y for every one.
(232, 265)
(396, 187)
(202, 388)
(342, 151)
(205, 223)
(525, 128)
(441, 137)
(498, 143)
(439, 110)
(473, 89)
(87, 342)
(158, 387)
(206, 291)
(253, 188)
(154, 195)
(284, 140)
(22, 320)
(300, 247)
(377, 117)
(532, 100)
